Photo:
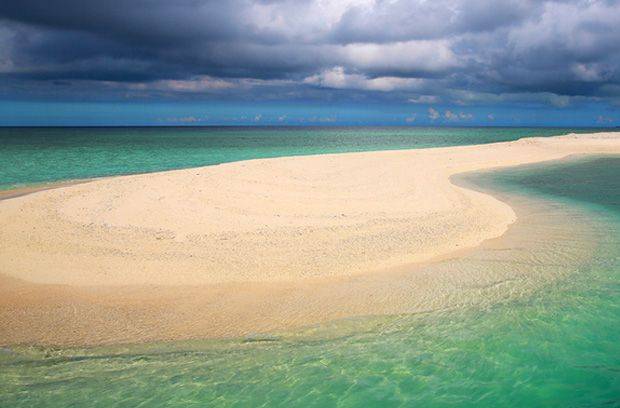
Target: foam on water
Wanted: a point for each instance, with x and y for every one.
(529, 319)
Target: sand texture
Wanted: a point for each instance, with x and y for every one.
(249, 246)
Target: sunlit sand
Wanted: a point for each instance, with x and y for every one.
(249, 246)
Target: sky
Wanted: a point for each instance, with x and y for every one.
(310, 62)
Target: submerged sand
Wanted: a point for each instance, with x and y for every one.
(249, 246)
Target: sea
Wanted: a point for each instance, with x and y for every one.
(39, 155)
(545, 333)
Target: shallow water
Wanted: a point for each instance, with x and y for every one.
(38, 155)
(549, 334)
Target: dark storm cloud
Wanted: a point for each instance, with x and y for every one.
(465, 50)
(405, 20)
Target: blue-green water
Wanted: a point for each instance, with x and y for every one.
(39, 155)
(557, 345)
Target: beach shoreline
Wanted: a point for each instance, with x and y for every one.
(73, 247)
(30, 189)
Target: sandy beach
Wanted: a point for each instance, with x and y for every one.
(251, 246)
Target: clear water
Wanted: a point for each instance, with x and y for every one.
(39, 155)
(558, 345)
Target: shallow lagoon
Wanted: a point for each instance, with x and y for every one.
(550, 337)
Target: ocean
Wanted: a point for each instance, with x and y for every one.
(42, 155)
(546, 333)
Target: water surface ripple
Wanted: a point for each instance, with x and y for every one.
(555, 344)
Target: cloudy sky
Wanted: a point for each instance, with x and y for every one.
(414, 62)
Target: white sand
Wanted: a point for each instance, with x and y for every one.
(269, 222)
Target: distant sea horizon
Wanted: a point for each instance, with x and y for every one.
(32, 155)
(304, 125)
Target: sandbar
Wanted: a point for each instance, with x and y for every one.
(251, 246)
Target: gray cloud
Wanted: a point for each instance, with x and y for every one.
(458, 51)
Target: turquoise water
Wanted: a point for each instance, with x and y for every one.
(39, 155)
(557, 345)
